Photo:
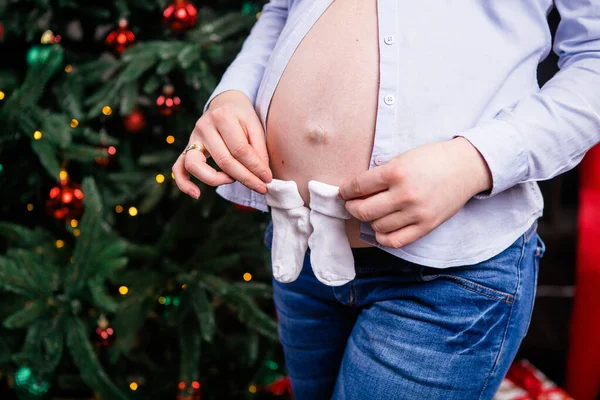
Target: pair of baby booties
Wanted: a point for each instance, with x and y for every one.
(322, 228)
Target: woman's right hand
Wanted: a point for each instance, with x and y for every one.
(233, 136)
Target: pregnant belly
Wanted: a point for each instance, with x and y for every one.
(321, 120)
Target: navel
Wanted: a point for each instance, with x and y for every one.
(317, 134)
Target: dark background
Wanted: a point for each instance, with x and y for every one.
(547, 341)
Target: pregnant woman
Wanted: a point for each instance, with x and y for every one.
(398, 147)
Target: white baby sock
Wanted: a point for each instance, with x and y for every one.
(330, 253)
(291, 229)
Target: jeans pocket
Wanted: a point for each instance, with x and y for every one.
(498, 277)
(471, 285)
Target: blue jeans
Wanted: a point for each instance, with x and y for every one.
(404, 331)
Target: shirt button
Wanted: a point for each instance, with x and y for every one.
(389, 39)
(389, 99)
(379, 160)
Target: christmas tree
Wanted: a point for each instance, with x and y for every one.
(113, 284)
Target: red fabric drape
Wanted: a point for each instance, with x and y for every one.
(583, 366)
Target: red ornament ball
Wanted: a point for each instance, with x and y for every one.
(1, 31)
(109, 155)
(120, 38)
(180, 15)
(65, 201)
(188, 391)
(167, 103)
(280, 386)
(104, 335)
(135, 121)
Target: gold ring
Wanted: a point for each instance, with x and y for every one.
(195, 146)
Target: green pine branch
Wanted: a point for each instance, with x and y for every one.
(89, 366)
(52, 298)
(200, 244)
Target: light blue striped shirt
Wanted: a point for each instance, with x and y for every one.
(457, 68)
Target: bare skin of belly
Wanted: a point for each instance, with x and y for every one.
(321, 120)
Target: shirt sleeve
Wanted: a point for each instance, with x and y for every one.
(246, 71)
(549, 132)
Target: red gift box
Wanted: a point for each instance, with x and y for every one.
(510, 391)
(525, 382)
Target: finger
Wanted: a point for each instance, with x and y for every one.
(232, 167)
(372, 207)
(195, 164)
(393, 222)
(401, 237)
(365, 183)
(239, 146)
(256, 134)
(182, 179)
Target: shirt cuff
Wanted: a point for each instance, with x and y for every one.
(503, 149)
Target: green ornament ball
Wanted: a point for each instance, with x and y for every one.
(249, 8)
(268, 373)
(28, 387)
(38, 54)
(42, 54)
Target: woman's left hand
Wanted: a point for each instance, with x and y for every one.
(415, 192)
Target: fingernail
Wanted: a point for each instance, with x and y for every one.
(195, 193)
(261, 189)
(340, 194)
